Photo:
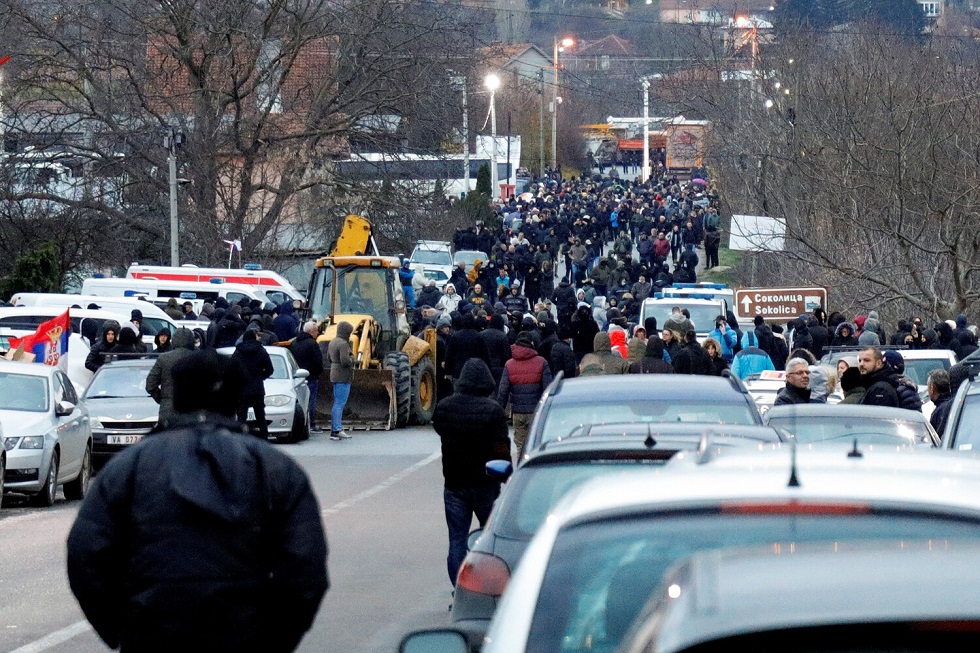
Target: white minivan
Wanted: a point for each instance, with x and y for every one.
(154, 317)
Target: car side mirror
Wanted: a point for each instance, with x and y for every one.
(64, 409)
(434, 641)
(301, 374)
(499, 470)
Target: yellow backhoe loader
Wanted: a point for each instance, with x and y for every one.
(395, 372)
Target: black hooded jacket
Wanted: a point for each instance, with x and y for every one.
(307, 353)
(472, 427)
(880, 388)
(199, 537)
(96, 355)
(256, 364)
(653, 360)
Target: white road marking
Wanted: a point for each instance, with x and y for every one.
(380, 487)
(53, 639)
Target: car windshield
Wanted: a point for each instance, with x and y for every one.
(703, 316)
(600, 574)
(150, 326)
(118, 382)
(535, 489)
(968, 426)
(468, 257)
(361, 290)
(23, 392)
(561, 420)
(918, 369)
(866, 429)
(432, 257)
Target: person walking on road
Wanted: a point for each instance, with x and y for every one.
(341, 376)
(200, 539)
(473, 430)
(526, 376)
(257, 367)
(309, 357)
(160, 381)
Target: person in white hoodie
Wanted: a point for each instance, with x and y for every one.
(450, 299)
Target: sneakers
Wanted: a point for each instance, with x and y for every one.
(339, 435)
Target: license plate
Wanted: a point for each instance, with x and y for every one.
(123, 439)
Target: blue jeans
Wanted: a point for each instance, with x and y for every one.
(461, 504)
(340, 393)
(313, 385)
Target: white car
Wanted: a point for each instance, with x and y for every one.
(611, 540)
(287, 396)
(46, 434)
(434, 259)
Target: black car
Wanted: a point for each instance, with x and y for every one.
(585, 403)
(553, 469)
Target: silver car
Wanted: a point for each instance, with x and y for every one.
(122, 410)
(46, 433)
(287, 396)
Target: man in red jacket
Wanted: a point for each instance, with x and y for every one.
(526, 376)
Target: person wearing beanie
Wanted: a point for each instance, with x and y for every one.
(562, 357)
(526, 376)
(907, 390)
(853, 388)
(257, 367)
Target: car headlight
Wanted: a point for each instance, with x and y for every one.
(10, 443)
(32, 442)
(278, 400)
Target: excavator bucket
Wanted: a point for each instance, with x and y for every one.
(371, 406)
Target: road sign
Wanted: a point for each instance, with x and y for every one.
(778, 303)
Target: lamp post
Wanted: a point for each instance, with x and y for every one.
(492, 82)
(172, 141)
(560, 46)
(461, 81)
(646, 131)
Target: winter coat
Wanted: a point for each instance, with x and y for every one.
(728, 340)
(340, 355)
(750, 359)
(880, 389)
(472, 427)
(173, 309)
(306, 351)
(256, 364)
(564, 298)
(96, 354)
(563, 360)
(691, 358)
(515, 303)
(820, 336)
(661, 247)
(159, 348)
(584, 331)
(526, 376)
(464, 345)
(792, 395)
(160, 382)
(202, 538)
(126, 343)
(603, 357)
(653, 360)
(285, 325)
(853, 396)
(718, 365)
(842, 340)
(498, 348)
(617, 340)
(428, 296)
(449, 302)
(228, 330)
(940, 415)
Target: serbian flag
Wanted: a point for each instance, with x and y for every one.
(49, 343)
(234, 245)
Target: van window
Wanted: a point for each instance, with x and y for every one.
(235, 297)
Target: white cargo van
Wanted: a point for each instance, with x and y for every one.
(154, 289)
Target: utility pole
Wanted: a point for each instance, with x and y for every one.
(508, 151)
(461, 81)
(541, 123)
(646, 131)
(172, 141)
(555, 100)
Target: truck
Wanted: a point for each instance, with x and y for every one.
(394, 380)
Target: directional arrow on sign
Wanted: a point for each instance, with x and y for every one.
(746, 304)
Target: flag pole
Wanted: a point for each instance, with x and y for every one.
(231, 251)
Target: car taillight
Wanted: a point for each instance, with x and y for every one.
(795, 507)
(483, 573)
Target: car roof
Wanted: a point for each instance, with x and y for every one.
(879, 476)
(29, 369)
(723, 593)
(130, 362)
(654, 386)
(843, 410)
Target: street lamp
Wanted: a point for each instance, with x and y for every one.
(173, 140)
(460, 80)
(646, 131)
(492, 82)
(560, 46)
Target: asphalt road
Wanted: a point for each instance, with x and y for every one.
(381, 500)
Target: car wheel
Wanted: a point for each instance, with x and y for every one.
(3, 473)
(300, 430)
(77, 489)
(45, 498)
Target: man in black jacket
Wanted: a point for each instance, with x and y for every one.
(797, 389)
(309, 357)
(256, 367)
(200, 538)
(562, 358)
(465, 344)
(473, 430)
(877, 379)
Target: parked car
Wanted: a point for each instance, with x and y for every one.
(572, 405)
(287, 397)
(434, 260)
(885, 596)
(962, 431)
(637, 526)
(46, 433)
(548, 474)
(121, 410)
(869, 425)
